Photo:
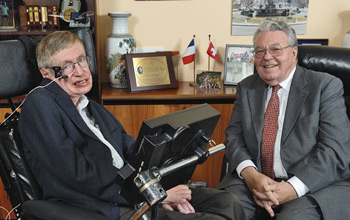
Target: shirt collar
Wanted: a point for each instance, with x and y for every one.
(285, 84)
(82, 103)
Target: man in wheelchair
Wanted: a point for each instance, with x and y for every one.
(75, 147)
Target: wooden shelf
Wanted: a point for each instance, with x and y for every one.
(18, 33)
(184, 92)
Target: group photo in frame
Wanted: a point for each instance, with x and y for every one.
(208, 79)
(7, 20)
(238, 63)
(150, 71)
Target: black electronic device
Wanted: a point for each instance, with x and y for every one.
(57, 70)
(165, 140)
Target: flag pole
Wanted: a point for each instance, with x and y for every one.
(209, 57)
(193, 84)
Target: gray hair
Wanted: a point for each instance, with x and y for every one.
(276, 24)
(52, 44)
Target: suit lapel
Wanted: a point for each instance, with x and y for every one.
(296, 100)
(66, 104)
(106, 126)
(256, 100)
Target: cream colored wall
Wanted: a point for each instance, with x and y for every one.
(171, 25)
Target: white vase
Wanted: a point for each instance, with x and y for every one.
(118, 43)
(346, 40)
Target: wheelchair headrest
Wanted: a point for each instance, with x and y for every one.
(18, 72)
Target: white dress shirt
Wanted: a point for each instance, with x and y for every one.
(279, 170)
(90, 122)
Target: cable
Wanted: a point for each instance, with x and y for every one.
(38, 87)
(8, 216)
(7, 211)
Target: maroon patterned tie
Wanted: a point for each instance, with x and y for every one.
(269, 133)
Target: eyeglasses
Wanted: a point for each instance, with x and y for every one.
(69, 67)
(274, 51)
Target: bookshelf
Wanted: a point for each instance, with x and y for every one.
(38, 30)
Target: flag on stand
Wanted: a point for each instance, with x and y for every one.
(212, 52)
(188, 56)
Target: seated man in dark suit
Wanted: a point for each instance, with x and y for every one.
(75, 147)
(288, 139)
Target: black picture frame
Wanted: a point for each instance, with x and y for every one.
(150, 71)
(315, 41)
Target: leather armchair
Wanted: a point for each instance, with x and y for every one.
(19, 74)
(333, 60)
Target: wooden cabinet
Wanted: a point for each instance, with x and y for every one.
(132, 109)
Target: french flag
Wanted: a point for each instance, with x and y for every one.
(188, 56)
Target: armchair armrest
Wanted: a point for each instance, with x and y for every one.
(51, 210)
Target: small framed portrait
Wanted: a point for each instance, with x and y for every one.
(208, 79)
(238, 63)
(7, 12)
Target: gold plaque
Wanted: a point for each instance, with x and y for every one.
(150, 71)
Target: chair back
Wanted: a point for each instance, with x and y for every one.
(332, 60)
(18, 75)
(85, 35)
(18, 72)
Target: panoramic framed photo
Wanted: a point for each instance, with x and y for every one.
(238, 63)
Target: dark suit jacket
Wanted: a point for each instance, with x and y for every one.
(315, 144)
(69, 162)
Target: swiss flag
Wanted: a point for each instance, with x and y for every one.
(212, 52)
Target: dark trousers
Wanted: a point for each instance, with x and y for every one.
(303, 208)
(209, 204)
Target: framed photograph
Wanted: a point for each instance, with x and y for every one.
(238, 63)
(312, 41)
(150, 71)
(7, 22)
(208, 79)
(248, 14)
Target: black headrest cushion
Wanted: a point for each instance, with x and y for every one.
(18, 74)
(333, 60)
